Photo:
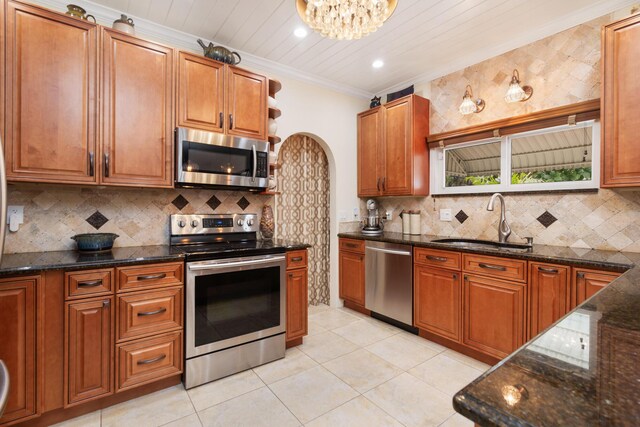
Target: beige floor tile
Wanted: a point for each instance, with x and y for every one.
(151, 410)
(293, 363)
(364, 333)
(466, 360)
(411, 401)
(314, 309)
(362, 370)
(257, 408)
(457, 420)
(402, 351)
(353, 312)
(359, 412)
(312, 393)
(326, 346)
(445, 374)
(91, 419)
(418, 339)
(189, 421)
(332, 319)
(315, 329)
(223, 389)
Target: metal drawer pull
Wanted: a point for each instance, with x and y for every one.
(91, 284)
(548, 270)
(492, 267)
(152, 276)
(296, 259)
(455, 276)
(152, 360)
(580, 275)
(151, 313)
(437, 258)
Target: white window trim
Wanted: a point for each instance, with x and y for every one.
(437, 165)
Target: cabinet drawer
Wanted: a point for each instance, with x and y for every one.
(150, 276)
(352, 245)
(147, 313)
(500, 268)
(437, 258)
(89, 283)
(143, 361)
(296, 259)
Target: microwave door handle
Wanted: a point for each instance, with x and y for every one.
(255, 163)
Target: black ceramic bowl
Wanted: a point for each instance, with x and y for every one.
(95, 241)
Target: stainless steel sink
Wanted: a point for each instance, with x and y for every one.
(475, 243)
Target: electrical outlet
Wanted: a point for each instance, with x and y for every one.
(343, 216)
(15, 210)
(445, 215)
(356, 214)
(389, 216)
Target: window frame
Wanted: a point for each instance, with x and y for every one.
(438, 167)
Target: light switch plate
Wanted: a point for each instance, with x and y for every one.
(356, 214)
(445, 215)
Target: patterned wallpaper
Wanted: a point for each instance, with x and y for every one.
(302, 211)
(563, 69)
(52, 214)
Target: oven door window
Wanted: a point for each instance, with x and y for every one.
(215, 159)
(233, 304)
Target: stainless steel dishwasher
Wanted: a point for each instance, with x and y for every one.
(388, 280)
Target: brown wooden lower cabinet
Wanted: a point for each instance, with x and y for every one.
(18, 345)
(493, 315)
(437, 301)
(549, 295)
(587, 282)
(351, 274)
(297, 297)
(89, 350)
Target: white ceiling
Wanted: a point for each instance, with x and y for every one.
(422, 40)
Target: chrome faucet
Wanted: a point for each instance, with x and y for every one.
(503, 228)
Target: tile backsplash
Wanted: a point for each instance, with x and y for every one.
(52, 214)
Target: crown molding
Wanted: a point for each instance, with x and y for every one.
(580, 16)
(184, 41)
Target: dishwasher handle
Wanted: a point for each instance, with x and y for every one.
(389, 251)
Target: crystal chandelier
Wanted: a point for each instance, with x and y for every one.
(345, 19)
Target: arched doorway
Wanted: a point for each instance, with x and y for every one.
(302, 211)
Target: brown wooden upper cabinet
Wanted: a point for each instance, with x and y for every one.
(51, 62)
(620, 118)
(393, 158)
(216, 97)
(137, 111)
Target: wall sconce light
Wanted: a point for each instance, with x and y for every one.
(469, 105)
(512, 394)
(517, 93)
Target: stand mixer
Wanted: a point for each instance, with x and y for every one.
(372, 222)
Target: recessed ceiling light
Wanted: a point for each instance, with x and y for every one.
(300, 32)
(378, 63)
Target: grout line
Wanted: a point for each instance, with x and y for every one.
(285, 405)
(231, 398)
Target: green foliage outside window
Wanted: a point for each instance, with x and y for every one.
(558, 175)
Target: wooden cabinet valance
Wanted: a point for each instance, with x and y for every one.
(568, 114)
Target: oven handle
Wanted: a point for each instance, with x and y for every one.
(214, 265)
(255, 163)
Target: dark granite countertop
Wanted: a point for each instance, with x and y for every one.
(606, 260)
(581, 371)
(33, 262)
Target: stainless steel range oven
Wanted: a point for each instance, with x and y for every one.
(235, 296)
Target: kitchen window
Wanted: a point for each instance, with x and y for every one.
(559, 158)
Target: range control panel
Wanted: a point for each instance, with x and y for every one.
(213, 224)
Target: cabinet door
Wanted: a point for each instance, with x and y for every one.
(548, 295)
(398, 165)
(89, 350)
(588, 282)
(620, 119)
(50, 96)
(246, 104)
(18, 345)
(370, 152)
(437, 301)
(352, 277)
(297, 303)
(493, 315)
(200, 93)
(137, 111)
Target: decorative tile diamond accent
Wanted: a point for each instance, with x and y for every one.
(461, 216)
(214, 202)
(97, 220)
(546, 219)
(180, 202)
(243, 203)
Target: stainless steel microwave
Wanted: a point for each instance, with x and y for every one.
(207, 159)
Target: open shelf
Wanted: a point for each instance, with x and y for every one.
(273, 139)
(274, 113)
(270, 193)
(274, 87)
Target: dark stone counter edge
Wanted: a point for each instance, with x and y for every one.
(577, 261)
